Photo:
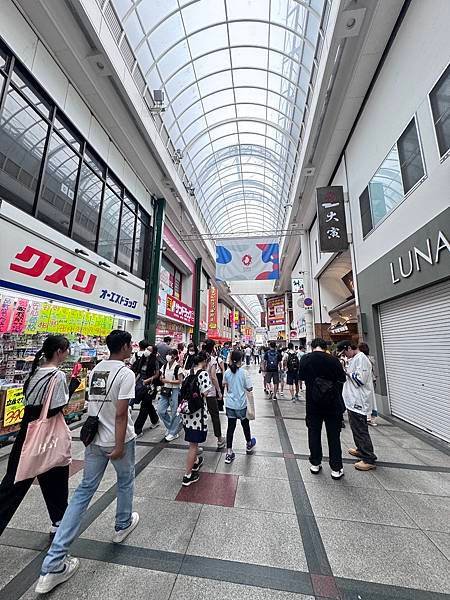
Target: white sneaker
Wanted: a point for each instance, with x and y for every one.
(49, 581)
(171, 437)
(315, 469)
(294, 400)
(337, 474)
(120, 536)
(199, 450)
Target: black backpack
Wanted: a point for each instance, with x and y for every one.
(190, 393)
(272, 361)
(324, 395)
(292, 362)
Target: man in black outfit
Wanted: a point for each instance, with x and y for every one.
(322, 374)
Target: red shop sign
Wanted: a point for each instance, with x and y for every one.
(178, 311)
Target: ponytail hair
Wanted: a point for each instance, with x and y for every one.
(51, 345)
(236, 359)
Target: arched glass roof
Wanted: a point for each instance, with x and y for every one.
(236, 76)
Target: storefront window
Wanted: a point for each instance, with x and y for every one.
(109, 223)
(58, 191)
(126, 235)
(22, 140)
(88, 208)
(411, 163)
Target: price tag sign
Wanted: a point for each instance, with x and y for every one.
(14, 407)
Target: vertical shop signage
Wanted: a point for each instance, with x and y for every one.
(331, 219)
(276, 311)
(213, 305)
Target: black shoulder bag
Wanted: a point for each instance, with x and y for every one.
(90, 426)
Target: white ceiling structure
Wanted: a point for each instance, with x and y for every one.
(236, 77)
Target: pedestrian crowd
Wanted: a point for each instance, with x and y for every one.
(190, 387)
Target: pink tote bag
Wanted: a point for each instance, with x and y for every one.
(47, 442)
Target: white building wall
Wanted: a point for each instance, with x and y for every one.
(22, 40)
(420, 53)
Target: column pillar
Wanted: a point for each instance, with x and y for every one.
(151, 314)
(307, 282)
(198, 284)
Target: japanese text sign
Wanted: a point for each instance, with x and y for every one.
(178, 311)
(276, 311)
(213, 307)
(14, 407)
(36, 266)
(331, 219)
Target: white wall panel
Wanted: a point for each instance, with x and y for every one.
(50, 75)
(98, 138)
(17, 33)
(77, 111)
(116, 160)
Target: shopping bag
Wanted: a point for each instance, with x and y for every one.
(250, 406)
(47, 442)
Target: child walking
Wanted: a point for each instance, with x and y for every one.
(237, 383)
(194, 415)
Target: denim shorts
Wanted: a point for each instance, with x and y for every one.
(234, 413)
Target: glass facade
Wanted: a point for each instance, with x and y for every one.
(236, 77)
(48, 170)
(401, 170)
(440, 107)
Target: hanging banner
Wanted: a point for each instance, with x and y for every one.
(331, 218)
(276, 311)
(298, 311)
(213, 306)
(244, 259)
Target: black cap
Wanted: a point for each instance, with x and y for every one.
(344, 345)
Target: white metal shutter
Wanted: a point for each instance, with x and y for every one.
(416, 341)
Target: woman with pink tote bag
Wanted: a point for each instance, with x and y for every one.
(46, 384)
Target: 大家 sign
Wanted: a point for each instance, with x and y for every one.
(331, 219)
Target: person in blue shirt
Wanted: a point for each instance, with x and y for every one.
(237, 383)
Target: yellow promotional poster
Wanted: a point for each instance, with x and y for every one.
(14, 407)
(44, 317)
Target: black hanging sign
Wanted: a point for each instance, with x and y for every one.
(331, 215)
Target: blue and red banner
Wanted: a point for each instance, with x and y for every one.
(251, 259)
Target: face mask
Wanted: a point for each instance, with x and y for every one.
(191, 352)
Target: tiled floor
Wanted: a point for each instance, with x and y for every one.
(262, 528)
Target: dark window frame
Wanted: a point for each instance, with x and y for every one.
(405, 194)
(446, 153)
(13, 65)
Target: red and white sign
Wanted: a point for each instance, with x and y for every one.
(178, 311)
(33, 265)
(276, 311)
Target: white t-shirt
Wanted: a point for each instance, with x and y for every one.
(107, 385)
(358, 389)
(170, 371)
(248, 352)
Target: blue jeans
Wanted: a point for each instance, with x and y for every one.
(95, 463)
(172, 421)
